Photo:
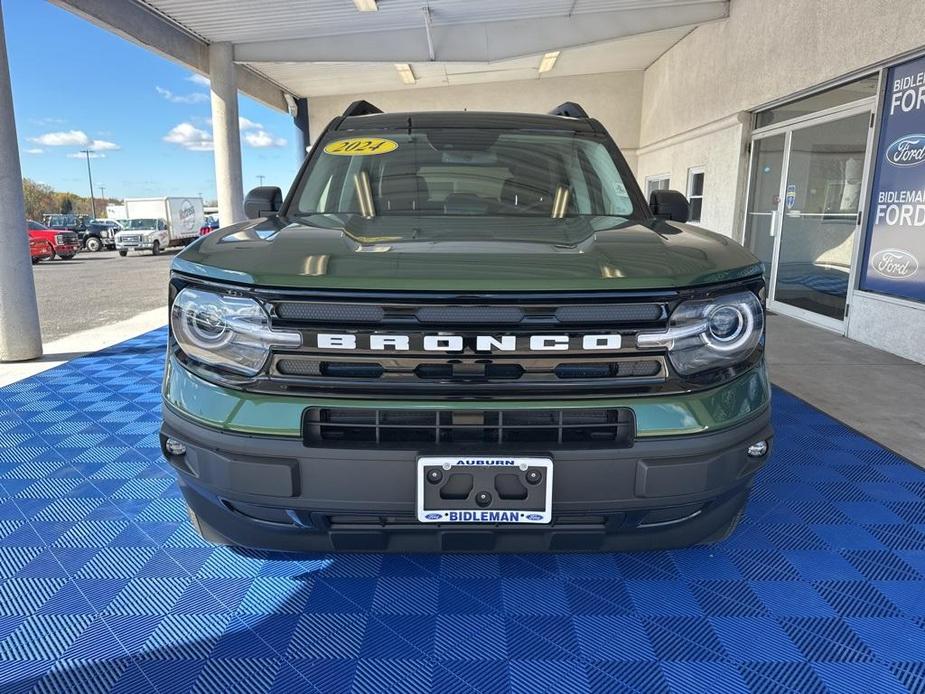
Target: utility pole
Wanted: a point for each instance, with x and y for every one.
(103, 193)
(260, 178)
(90, 176)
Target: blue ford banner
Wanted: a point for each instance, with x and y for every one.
(895, 251)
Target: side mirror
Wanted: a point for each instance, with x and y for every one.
(263, 201)
(670, 204)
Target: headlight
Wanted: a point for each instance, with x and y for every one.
(710, 333)
(230, 332)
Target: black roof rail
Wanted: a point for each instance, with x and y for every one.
(570, 110)
(361, 108)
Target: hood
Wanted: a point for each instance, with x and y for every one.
(466, 254)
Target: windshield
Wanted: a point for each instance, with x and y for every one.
(138, 224)
(463, 172)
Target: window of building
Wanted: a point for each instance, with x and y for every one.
(837, 96)
(659, 182)
(695, 192)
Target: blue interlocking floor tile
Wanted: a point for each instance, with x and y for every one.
(105, 587)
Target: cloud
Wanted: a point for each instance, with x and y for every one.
(104, 145)
(35, 150)
(194, 98)
(71, 138)
(201, 80)
(81, 155)
(246, 124)
(190, 137)
(261, 139)
(64, 138)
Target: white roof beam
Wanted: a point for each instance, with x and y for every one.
(481, 41)
(137, 23)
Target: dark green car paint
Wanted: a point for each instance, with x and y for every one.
(466, 254)
(277, 415)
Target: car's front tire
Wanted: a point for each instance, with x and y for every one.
(156, 248)
(66, 257)
(123, 253)
(94, 245)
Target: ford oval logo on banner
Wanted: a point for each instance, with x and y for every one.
(895, 243)
(895, 263)
(908, 150)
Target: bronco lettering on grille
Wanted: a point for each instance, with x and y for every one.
(455, 343)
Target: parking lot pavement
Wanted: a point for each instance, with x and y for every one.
(96, 289)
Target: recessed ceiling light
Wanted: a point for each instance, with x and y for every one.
(366, 5)
(548, 61)
(406, 73)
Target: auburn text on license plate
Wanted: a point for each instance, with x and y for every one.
(484, 489)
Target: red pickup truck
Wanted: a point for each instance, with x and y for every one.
(64, 244)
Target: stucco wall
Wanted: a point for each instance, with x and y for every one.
(765, 51)
(613, 98)
(769, 49)
(717, 150)
(891, 325)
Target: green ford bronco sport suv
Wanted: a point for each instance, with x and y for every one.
(465, 332)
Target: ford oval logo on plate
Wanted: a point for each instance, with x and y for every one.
(895, 263)
(907, 151)
(535, 516)
(434, 516)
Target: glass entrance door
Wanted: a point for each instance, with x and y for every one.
(805, 188)
(764, 202)
(820, 222)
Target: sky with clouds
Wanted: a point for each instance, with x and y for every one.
(146, 119)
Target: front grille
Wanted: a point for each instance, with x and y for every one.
(527, 429)
(69, 239)
(131, 239)
(469, 345)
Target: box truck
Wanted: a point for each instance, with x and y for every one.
(153, 224)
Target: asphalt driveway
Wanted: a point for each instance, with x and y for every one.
(96, 289)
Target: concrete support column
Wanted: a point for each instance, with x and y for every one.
(20, 336)
(226, 133)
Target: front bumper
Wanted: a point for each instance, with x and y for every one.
(66, 249)
(276, 493)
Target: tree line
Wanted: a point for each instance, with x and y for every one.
(42, 198)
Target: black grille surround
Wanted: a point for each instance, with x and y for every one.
(339, 353)
(573, 372)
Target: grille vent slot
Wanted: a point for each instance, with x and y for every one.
(307, 312)
(610, 313)
(581, 428)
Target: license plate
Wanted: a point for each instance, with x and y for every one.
(484, 489)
